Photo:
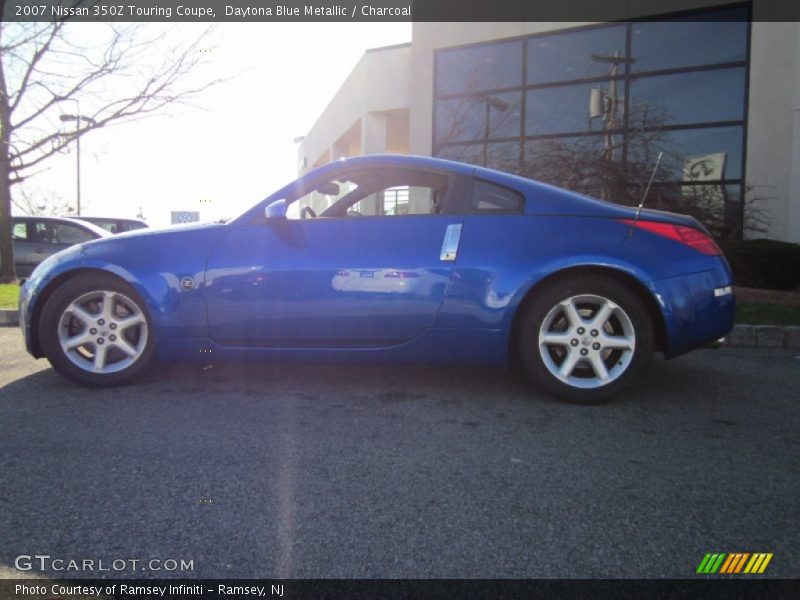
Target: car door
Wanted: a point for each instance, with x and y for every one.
(22, 247)
(43, 240)
(51, 235)
(362, 274)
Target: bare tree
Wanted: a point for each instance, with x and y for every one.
(584, 165)
(48, 203)
(466, 122)
(112, 70)
(614, 163)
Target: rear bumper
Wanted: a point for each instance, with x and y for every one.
(698, 309)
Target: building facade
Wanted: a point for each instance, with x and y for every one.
(707, 98)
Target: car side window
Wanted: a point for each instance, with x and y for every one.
(20, 231)
(314, 202)
(43, 232)
(396, 202)
(490, 198)
(390, 192)
(66, 233)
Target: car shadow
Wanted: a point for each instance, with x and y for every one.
(385, 384)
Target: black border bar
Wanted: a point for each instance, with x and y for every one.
(373, 10)
(397, 589)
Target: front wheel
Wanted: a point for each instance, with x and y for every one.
(585, 339)
(94, 331)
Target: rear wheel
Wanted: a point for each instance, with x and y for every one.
(585, 339)
(94, 331)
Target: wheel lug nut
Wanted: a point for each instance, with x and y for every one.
(101, 321)
(584, 352)
(93, 331)
(113, 338)
(594, 333)
(574, 342)
(100, 341)
(581, 330)
(113, 326)
(596, 346)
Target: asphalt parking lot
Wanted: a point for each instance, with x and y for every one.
(328, 471)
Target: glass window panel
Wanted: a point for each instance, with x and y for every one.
(44, 233)
(465, 119)
(566, 109)
(716, 95)
(410, 200)
(320, 200)
(488, 197)
(589, 164)
(471, 154)
(692, 155)
(504, 114)
(718, 207)
(686, 43)
(395, 200)
(20, 231)
(503, 156)
(459, 120)
(389, 192)
(572, 55)
(484, 67)
(70, 234)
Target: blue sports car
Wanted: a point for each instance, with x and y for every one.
(393, 259)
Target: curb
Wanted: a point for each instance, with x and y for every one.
(9, 317)
(764, 336)
(761, 336)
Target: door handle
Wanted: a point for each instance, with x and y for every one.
(450, 243)
(38, 251)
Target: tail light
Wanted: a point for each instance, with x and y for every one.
(688, 236)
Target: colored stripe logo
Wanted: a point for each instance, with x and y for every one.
(734, 562)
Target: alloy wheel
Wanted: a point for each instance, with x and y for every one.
(587, 341)
(103, 332)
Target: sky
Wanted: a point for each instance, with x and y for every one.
(236, 145)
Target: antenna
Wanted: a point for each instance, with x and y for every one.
(646, 190)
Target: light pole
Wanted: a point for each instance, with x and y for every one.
(78, 118)
(610, 102)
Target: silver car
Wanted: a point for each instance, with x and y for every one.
(36, 238)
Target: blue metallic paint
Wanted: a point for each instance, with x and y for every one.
(336, 282)
(293, 290)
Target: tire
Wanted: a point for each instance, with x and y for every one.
(585, 339)
(95, 331)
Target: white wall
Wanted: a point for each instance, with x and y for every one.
(381, 81)
(773, 132)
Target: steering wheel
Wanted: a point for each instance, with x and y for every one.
(353, 213)
(307, 210)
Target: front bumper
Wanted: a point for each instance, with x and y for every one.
(24, 316)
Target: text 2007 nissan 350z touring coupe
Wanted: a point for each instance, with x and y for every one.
(393, 259)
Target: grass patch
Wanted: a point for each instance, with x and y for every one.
(9, 295)
(767, 314)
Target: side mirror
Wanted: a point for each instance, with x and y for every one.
(276, 210)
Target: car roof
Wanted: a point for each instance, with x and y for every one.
(67, 220)
(399, 160)
(101, 218)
